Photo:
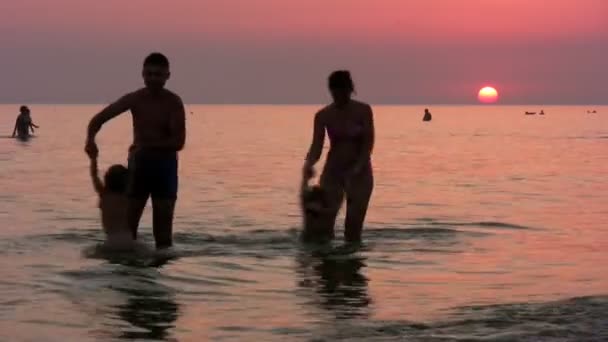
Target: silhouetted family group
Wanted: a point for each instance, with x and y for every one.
(159, 132)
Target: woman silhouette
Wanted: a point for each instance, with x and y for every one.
(348, 168)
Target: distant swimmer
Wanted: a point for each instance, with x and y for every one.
(427, 115)
(24, 124)
(542, 112)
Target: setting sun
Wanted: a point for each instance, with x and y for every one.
(487, 95)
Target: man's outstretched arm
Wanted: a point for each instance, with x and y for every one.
(113, 110)
(94, 172)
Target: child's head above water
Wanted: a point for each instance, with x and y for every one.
(116, 179)
(316, 209)
(314, 199)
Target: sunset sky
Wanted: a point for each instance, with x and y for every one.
(281, 51)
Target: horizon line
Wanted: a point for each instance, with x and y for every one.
(313, 104)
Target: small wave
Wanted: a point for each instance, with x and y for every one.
(425, 204)
(407, 233)
(588, 137)
(76, 236)
(483, 224)
(577, 319)
(275, 239)
(499, 225)
(260, 243)
(426, 231)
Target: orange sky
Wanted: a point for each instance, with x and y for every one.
(402, 51)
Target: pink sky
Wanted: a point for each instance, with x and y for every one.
(247, 51)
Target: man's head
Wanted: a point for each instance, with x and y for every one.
(156, 71)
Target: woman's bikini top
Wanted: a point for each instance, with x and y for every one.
(349, 132)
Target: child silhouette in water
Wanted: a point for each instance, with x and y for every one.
(314, 205)
(113, 203)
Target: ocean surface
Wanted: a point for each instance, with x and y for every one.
(485, 225)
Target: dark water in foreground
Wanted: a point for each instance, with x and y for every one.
(485, 225)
